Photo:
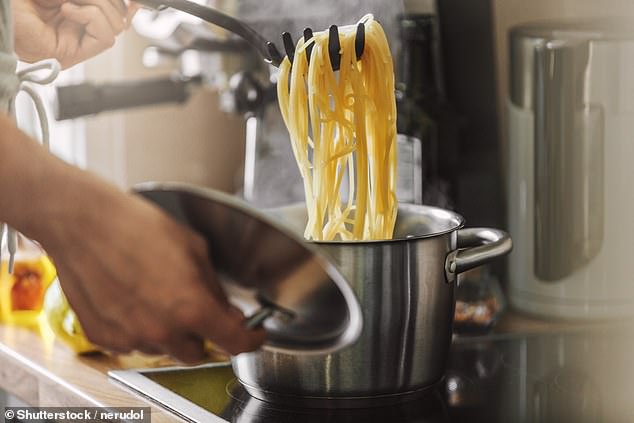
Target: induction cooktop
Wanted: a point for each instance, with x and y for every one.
(574, 377)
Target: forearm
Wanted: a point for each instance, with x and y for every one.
(39, 193)
(137, 279)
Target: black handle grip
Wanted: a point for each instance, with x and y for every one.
(213, 16)
(85, 99)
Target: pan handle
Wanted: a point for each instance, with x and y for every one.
(476, 246)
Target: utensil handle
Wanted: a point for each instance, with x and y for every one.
(569, 165)
(220, 19)
(476, 246)
(256, 320)
(74, 101)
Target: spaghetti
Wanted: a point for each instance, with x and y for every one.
(343, 127)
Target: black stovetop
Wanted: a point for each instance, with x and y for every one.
(574, 377)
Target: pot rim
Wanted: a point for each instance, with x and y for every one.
(448, 215)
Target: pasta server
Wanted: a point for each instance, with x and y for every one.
(267, 49)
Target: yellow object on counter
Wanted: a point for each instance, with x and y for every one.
(63, 321)
(32, 297)
(22, 292)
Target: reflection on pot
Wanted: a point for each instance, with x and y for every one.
(405, 287)
(566, 395)
(576, 377)
(472, 380)
(428, 408)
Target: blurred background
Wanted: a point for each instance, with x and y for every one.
(517, 114)
(200, 143)
(215, 122)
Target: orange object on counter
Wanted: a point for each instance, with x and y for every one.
(22, 292)
(28, 287)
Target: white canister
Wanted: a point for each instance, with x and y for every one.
(571, 167)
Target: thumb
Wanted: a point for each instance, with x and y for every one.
(243, 338)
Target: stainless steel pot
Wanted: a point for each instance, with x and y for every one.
(405, 287)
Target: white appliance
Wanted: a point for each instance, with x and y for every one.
(571, 168)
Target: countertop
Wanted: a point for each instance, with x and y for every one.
(43, 371)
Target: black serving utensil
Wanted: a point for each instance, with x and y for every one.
(266, 48)
(334, 45)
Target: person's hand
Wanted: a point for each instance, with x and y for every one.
(136, 279)
(139, 281)
(70, 31)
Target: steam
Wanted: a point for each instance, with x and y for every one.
(272, 17)
(277, 179)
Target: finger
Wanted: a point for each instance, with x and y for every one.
(105, 334)
(99, 35)
(200, 250)
(188, 349)
(149, 349)
(100, 329)
(224, 325)
(133, 8)
(117, 6)
(114, 10)
(94, 21)
(211, 281)
(68, 42)
(244, 339)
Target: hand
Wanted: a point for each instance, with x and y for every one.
(136, 279)
(139, 281)
(69, 31)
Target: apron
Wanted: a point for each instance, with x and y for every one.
(6, 33)
(8, 79)
(11, 82)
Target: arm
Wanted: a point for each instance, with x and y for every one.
(136, 279)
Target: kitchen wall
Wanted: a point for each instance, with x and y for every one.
(195, 142)
(200, 144)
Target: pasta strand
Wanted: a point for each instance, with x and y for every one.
(343, 125)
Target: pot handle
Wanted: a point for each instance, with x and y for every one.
(476, 246)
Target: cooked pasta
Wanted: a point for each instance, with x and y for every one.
(342, 127)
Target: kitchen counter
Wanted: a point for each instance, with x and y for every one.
(44, 372)
(41, 371)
